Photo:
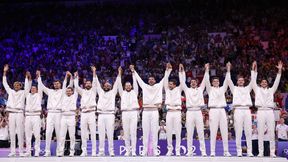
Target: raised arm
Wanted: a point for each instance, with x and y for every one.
(277, 80)
(93, 69)
(228, 77)
(76, 84)
(225, 83)
(40, 83)
(135, 85)
(71, 82)
(40, 90)
(182, 77)
(96, 82)
(117, 83)
(166, 75)
(139, 80)
(250, 85)
(64, 86)
(28, 83)
(254, 76)
(206, 74)
(5, 84)
(207, 79)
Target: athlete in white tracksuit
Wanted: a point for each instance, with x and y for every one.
(217, 113)
(68, 109)
(130, 111)
(242, 114)
(88, 108)
(106, 111)
(152, 101)
(54, 111)
(173, 118)
(264, 101)
(15, 107)
(194, 103)
(32, 118)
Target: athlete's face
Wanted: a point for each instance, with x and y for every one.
(215, 82)
(240, 82)
(151, 81)
(69, 92)
(193, 83)
(171, 85)
(57, 85)
(282, 121)
(88, 85)
(128, 86)
(17, 86)
(264, 83)
(107, 87)
(34, 89)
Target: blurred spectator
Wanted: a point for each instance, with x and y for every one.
(4, 132)
(254, 138)
(282, 131)
(121, 136)
(162, 131)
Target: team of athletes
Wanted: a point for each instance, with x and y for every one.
(24, 107)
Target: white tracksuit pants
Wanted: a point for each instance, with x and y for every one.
(150, 122)
(16, 126)
(195, 118)
(129, 121)
(242, 118)
(32, 125)
(67, 123)
(88, 122)
(53, 121)
(106, 126)
(218, 117)
(266, 117)
(173, 124)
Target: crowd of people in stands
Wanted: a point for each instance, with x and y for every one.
(58, 38)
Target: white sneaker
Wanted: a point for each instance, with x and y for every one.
(83, 154)
(12, 154)
(22, 154)
(60, 154)
(93, 154)
(47, 154)
(128, 153)
(71, 154)
(189, 153)
(133, 154)
(227, 154)
(155, 153)
(112, 154)
(27, 154)
(260, 155)
(101, 153)
(212, 154)
(178, 153)
(204, 155)
(250, 155)
(239, 155)
(169, 153)
(273, 156)
(144, 153)
(36, 154)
